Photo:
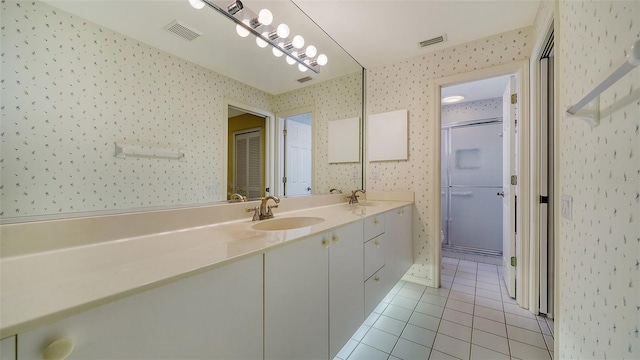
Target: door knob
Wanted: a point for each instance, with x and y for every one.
(501, 193)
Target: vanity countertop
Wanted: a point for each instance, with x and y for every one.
(42, 287)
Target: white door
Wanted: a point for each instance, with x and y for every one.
(247, 179)
(298, 158)
(509, 169)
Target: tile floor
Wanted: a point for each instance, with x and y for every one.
(469, 317)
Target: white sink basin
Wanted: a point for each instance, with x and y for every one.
(287, 223)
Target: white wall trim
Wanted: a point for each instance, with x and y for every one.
(521, 68)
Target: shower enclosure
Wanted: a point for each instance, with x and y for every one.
(471, 187)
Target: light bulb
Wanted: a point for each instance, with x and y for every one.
(297, 42)
(290, 60)
(265, 17)
(242, 32)
(311, 51)
(322, 60)
(276, 51)
(282, 31)
(302, 68)
(197, 4)
(260, 42)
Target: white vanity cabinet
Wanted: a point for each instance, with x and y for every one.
(399, 242)
(8, 348)
(216, 314)
(314, 294)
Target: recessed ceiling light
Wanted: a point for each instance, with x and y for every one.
(453, 99)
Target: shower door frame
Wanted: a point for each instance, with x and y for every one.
(468, 250)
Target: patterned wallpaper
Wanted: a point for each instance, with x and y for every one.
(70, 89)
(471, 110)
(332, 100)
(406, 85)
(599, 315)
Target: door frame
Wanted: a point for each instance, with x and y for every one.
(269, 125)
(279, 147)
(521, 69)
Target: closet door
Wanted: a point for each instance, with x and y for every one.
(248, 165)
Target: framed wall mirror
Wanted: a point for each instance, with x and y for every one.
(80, 76)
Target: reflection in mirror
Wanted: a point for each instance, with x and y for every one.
(297, 153)
(246, 154)
(79, 76)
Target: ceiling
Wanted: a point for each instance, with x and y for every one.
(373, 32)
(478, 90)
(378, 32)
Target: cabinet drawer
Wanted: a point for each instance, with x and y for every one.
(373, 226)
(373, 255)
(374, 291)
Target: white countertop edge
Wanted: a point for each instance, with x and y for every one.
(25, 305)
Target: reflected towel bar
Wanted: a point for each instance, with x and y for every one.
(590, 102)
(124, 150)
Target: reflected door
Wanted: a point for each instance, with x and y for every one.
(248, 164)
(297, 158)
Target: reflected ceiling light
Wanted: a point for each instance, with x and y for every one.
(297, 42)
(453, 99)
(197, 4)
(248, 22)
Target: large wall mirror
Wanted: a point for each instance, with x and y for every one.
(153, 82)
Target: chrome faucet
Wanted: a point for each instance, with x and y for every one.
(353, 199)
(338, 191)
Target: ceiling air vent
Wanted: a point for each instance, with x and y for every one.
(183, 30)
(435, 40)
(304, 79)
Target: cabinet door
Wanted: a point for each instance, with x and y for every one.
(346, 286)
(373, 226)
(8, 348)
(375, 290)
(213, 315)
(374, 255)
(296, 300)
(399, 243)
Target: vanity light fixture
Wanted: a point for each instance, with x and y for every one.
(260, 25)
(453, 99)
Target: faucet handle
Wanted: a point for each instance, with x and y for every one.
(256, 214)
(269, 209)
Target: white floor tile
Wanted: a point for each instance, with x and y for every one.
(480, 353)
(525, 336)
(410, 293)
(466, 275)
(419, 335)
(550, 323)
(490, 314)
(457, 317)
(488, 274)
(524, 351)
(414, 286)
(488, 286)
(446, 284)
(434, 299)
(437, 291)
(404, 302)
(490, 341)
(380, 340)
(371, 319)
(429, 309)
(448, 271)
(489, 294)
(515, 309)
(467, 264)
(425, 321)
(459, 306)
(464, 281)
(548, 339)
(464, 288)
(522, 322)
(437, 355)
(446, 278)
(488, 279)
(489, 303)
(455, 330)
(466, 270)
(360, 333)
(490, 326)
(394, 358)
(452, 346)
(390, 325)
(366, 352)
(488, 267)
(448, 260)
(409, 350)
(347, 349)
(397, 312)
(380, 308)
(460, 296)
